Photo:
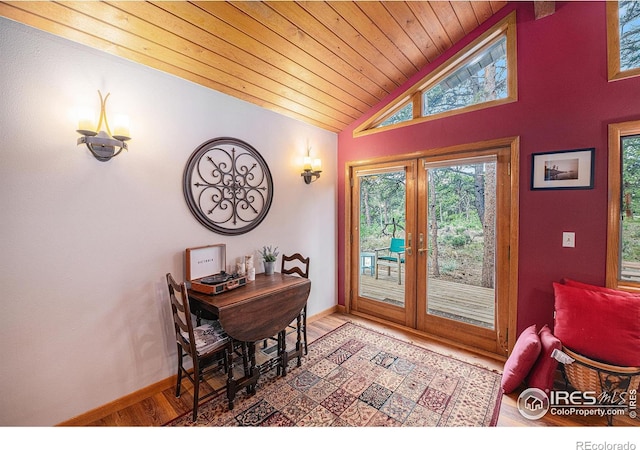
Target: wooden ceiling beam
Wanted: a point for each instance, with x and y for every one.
(543, 8)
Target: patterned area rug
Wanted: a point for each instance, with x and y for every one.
(356, 377)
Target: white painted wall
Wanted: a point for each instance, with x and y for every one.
(85, 245)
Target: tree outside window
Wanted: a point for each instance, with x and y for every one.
(630, 209)
(629, 32)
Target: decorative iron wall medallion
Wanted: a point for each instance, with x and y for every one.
(228, 186)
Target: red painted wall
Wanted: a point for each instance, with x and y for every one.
(564, 102)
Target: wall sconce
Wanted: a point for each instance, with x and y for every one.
(312, 168)
(100, 142)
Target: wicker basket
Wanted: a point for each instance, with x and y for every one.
(589, 375)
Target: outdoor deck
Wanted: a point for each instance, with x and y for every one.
(471, 304)
(630, 271)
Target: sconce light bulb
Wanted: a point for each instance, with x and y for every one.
(121, 127)
(306, 162)
(86, 122)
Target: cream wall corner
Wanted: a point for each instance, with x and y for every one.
(84, 245)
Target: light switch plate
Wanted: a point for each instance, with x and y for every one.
(568, 239)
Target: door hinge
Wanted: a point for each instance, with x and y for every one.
(509, 168)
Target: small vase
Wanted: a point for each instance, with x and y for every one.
(269, 267)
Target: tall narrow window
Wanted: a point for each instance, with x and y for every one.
(629, 31)
(630, 215)
(623, 38)
(623, 238)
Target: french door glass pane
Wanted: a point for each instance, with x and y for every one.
(630, 210)
(461, 241)
(381, 237)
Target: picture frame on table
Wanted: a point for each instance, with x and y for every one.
(565, 169)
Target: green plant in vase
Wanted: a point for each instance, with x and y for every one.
(269, 256)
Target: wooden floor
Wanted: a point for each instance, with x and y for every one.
(457, 301)
(163, 406)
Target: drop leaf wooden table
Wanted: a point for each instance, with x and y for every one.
(254, 312)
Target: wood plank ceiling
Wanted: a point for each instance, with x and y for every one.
(322, 62)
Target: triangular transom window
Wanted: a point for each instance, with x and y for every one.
(481, 75)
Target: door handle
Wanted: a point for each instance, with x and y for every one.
(407, 249)
(421, 248)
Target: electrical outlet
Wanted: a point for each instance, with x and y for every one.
(568, 239)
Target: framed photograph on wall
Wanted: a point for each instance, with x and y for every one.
(567, 169)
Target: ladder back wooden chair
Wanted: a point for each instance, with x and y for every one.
(206, 345)
(295, 264)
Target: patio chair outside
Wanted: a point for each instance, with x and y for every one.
(392, 256)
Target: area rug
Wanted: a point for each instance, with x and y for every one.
(357, 377)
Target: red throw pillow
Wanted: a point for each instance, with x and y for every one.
(544, 370)
(522, 358)
(591, 287)
(598, 325)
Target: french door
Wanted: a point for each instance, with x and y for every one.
(382, 213)
(452, 213)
